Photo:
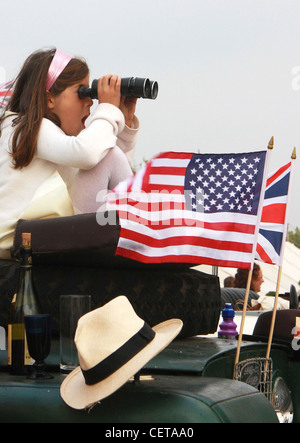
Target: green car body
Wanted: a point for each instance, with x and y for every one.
(191, 381)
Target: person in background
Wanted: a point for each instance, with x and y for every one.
(264, 302)
(229, 282)
(241, 278)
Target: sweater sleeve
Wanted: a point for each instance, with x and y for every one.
(89, 147)
(127, 139)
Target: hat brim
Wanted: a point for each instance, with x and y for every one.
(78, 395)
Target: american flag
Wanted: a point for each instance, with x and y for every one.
(273, 224)
(5, 94)
(192, 208)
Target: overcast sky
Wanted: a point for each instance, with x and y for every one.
(228, 70)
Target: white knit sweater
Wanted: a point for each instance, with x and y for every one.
(58, 152)
(37, 191)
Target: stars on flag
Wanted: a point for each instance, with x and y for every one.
(223, 183)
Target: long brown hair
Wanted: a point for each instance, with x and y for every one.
(29, 101)
(241, 277)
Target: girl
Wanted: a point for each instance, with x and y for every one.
(45, 137)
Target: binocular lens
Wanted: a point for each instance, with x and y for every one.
(130, 87)
(153, 90)
(135, 87)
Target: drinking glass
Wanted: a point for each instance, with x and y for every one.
(38, 334)
(72, 307)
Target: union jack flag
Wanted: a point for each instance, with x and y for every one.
(192, 208)
(5, 94)
(273, 226)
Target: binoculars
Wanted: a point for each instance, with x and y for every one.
(130, 87)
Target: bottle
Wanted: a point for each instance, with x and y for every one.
(228, 327)
(25, 302)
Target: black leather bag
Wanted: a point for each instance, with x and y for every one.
(74, 255)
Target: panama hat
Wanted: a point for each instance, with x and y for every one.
(113, 344)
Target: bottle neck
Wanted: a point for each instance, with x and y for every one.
(26, 294)
(26, 257)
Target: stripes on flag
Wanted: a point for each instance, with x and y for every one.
(274, 217)
(5, 94)
(192, 208)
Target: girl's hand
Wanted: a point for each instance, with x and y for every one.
(109, 90)
(127, 106)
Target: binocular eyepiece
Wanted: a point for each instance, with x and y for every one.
(130, 87)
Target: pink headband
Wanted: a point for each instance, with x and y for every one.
(58, 64)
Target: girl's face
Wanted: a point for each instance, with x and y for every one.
(256, 284)
(71, 110)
